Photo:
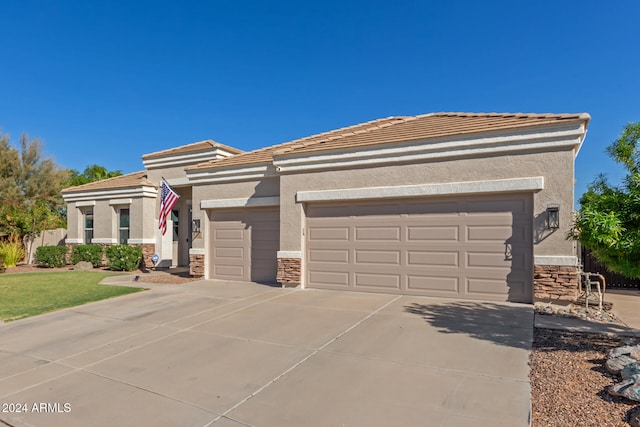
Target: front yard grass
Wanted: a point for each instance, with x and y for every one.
(28, 294)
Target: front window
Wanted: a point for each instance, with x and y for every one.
(123, 226)
(88, 226)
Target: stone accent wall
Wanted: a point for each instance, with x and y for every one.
(148, 249)
(289, 272)
(196, 265)
(553, 282)
(70, 247)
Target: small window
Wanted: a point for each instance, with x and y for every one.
(174, 217)
(123, 226)
(88, 226)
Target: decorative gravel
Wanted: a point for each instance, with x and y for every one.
(569, 383)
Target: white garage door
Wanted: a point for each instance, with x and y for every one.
(469, 247)
(244, 244)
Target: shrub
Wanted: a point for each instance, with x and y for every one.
(12, 252)
(91, 253)
(51, 256)
(123, 257)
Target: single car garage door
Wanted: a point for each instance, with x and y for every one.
(245, 244)
(469, 247)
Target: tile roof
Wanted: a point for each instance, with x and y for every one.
(131, 180)
(430, 126)
(397, 129)
(265, 155)
(205, 145)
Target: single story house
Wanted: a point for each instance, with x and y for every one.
(446, 204)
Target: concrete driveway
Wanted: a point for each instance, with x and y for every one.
(216, 353)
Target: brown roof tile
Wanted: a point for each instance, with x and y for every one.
(430, 126)
(136, 179)
(265, 155)
(397, 129)
(196, 146)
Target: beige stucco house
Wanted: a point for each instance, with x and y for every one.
(447, 204)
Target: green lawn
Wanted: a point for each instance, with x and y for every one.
(27, 294)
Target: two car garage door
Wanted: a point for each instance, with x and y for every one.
(469, 247)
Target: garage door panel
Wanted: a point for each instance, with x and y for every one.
(488, 259)
(433, 283)
(234, 272)
(229, 234)
(377, 233)
(433, 259)
(331, 255)
(377, 280)
(487, 288)
(366, 256)
(229, 252)
(433, 233)
(329, 233)
(477, 233)
(330, 278)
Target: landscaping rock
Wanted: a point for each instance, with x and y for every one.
(83, 266)
(615, 365)
(631, 372)
(634, 417)
(625, 350)
(629, 389)
(620, 363)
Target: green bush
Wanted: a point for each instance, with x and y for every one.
(11, 252)
(51, 256)
(91, 253)
(123, 257)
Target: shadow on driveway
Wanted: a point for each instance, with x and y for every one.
(507, 325)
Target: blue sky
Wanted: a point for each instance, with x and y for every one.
(106, 82)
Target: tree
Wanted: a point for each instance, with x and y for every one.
(91, 173)
(30, 197)
(608, 222)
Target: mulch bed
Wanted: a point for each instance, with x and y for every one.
(569, 382)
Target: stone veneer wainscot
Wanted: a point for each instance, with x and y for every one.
(555, 282)
(289, 272)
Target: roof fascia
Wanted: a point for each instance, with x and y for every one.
(229, 174)
(114, 193)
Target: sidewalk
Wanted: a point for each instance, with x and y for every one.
(626, 307)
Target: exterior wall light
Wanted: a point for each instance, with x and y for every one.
(195, 225)
(553, 217)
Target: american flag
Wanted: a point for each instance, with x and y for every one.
(168, 199)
